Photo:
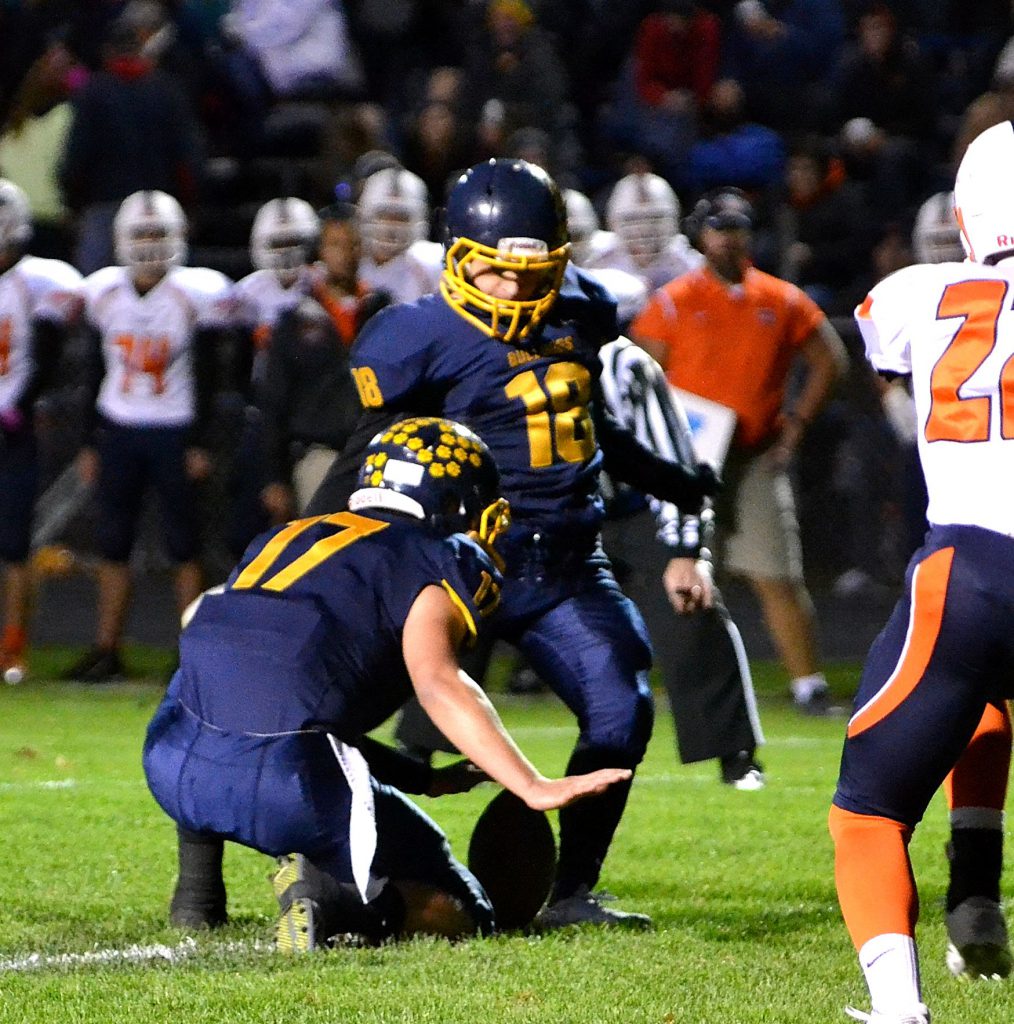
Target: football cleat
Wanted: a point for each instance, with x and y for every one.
(742, 772)
(819, 705)
(918, 1014)
(586, 907)
(979, 946)
(99, 665)
(299, 923)
(296, 931)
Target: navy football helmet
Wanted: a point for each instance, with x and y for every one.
(438, 471)
(507, 215)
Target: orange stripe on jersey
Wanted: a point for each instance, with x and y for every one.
(929, 594)
(863, 310)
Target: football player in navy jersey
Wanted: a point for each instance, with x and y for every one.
(322, 631)
(510, 347)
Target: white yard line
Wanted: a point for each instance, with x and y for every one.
(130, 954)
(38, 784)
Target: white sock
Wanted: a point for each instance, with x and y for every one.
(891, 966)
(804, 687)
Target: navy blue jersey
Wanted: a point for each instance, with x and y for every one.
(530, 403)
(307, 633)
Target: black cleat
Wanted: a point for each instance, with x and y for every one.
(978, 946)
(99, 665)
(586, 907)
(819, 705)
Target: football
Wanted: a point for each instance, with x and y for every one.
(513, 854)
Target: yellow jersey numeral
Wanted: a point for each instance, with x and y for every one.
(556, 413)
(350, 529)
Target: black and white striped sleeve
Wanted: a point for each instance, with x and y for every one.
(638, 395)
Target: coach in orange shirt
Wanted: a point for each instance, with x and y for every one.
(731, 333)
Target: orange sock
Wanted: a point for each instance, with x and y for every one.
(14, 639)
(979, 779)
(873, 875)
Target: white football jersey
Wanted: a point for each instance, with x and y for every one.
(951, 326)
(600, 250)
(260, 300)
(32, 289)
(407, 277)
(147, 340)
(630, 291)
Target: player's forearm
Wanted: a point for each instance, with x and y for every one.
(463, 713)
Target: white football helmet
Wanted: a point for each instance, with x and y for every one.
(283, 235)
(393, 210)
(644, 211)
(936, 237)
(15, 215)
(582, 222)
(150, 231)
(983, 197)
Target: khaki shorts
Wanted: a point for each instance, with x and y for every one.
(308, 473)
(762, 539)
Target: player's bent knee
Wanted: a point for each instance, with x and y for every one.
(625, 730)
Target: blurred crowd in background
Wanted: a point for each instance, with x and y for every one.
(840, 119)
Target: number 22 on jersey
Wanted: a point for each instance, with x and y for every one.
(556, 413)
(967, 419)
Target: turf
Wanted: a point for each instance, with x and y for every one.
(739, 884)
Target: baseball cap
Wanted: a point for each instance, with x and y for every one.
(728, 209)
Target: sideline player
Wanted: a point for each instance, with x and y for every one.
(283, 241)
(394, 218)
(643, 214)
(510, 346)
(947, 652)
(39, 300)
(157, 327)
(324, 629)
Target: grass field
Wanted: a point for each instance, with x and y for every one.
(739, 884)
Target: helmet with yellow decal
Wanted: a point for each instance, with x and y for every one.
(507, 216)
(435, 470)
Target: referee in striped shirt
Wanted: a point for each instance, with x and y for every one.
(699, 649)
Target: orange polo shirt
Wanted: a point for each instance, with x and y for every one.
(733, 344)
